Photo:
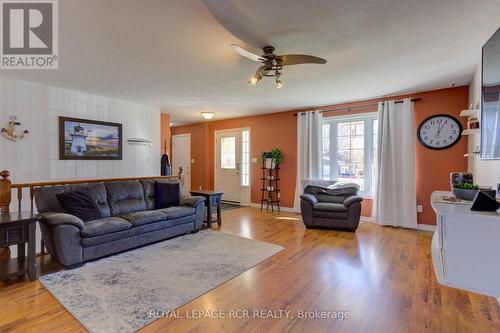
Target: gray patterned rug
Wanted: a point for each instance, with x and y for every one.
(116, 294)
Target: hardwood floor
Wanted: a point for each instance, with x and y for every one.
(383, 276)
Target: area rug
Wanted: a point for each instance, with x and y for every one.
(118, 293)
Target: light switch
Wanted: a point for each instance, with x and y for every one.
(254, 159)
(419, 209)
(192, 161)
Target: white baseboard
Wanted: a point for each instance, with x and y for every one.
(282, 208)
(368, 219)
(426, 227)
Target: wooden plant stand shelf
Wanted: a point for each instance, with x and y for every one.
(271, 194)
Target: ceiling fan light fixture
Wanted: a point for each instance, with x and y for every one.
(253, 80)
(207, 115)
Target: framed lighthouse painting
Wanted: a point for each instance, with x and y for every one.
(83, 139)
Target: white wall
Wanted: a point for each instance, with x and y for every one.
(486, 172)
(36, 157)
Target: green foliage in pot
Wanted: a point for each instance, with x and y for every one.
(275, 154)
(466, 186)
(262, 157)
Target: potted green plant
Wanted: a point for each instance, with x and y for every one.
(465, 191)
(271, 158)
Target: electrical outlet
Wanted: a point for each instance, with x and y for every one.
(419, 209)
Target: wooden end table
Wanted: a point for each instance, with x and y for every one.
(18, 229)
(212, 198)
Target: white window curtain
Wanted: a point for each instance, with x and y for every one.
(309, 150)
(395, 200)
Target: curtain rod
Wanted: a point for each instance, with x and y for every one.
(355, 107)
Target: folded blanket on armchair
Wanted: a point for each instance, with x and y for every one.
(338, 189)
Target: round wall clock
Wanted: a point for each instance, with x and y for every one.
(439, 131)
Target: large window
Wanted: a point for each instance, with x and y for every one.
(350, 150)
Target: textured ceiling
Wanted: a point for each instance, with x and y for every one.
(176, 54)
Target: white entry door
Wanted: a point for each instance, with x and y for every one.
(227, 165)
(181, 158)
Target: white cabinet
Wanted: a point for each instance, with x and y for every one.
(466, 247)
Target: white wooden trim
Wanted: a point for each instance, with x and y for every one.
(283, 209)
(249, 187)
(366, 219)
(351, 116)
(174, 172)
(426, 227)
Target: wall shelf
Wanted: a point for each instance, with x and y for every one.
(471, 131)
(469, 113)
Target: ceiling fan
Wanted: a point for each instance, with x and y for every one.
(272, 64)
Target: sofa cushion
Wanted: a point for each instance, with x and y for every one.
(330, 207)
(149, 189)
(180, 220)
(125, 197)
(178, 211)
(142, 229)
(81, 203)
(144, 217)
(104, 226)
(46, 200)
(106, 238)
(330, 214)
(99, 191)
(166, 195)
(330, 198)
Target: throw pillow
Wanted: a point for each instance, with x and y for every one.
(81, 203)
(167, 195)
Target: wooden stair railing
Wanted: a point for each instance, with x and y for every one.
(6, 189)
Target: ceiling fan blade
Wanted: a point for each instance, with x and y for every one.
(247, 54)
(234, 20)
(296, 59)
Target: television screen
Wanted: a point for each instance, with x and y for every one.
(490, 101)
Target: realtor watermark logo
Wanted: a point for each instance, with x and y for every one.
(29, 34)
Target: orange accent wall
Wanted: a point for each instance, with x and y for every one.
(280, 130)
(266, 132)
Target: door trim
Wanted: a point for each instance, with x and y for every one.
(189, 155)
(245, 199)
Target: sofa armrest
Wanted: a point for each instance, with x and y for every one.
(310, 198)
(350, 200)
(55, 219)
(191, 201)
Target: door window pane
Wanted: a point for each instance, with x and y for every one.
(228, 152)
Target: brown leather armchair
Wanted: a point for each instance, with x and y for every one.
(336, 206)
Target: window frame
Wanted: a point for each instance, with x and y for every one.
(368, 146)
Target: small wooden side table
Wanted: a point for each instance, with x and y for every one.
(18, 229)
(212, 198)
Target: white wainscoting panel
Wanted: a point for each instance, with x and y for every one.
(36, 157)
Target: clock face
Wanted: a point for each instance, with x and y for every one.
(439, 132)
